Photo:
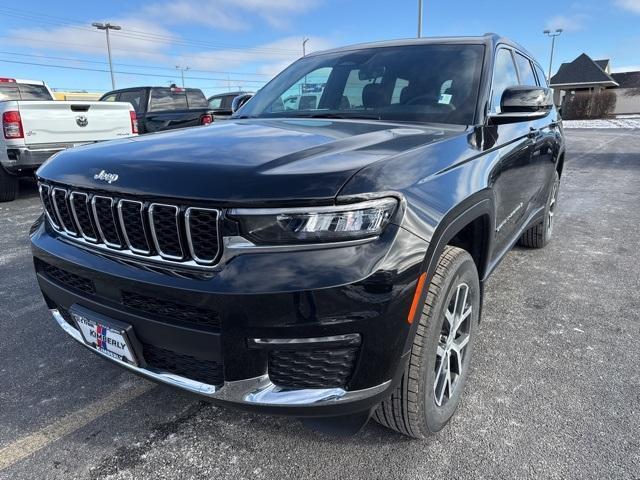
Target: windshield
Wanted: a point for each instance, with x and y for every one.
(23, 91)
(416, 83)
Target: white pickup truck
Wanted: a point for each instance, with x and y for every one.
(35, 126)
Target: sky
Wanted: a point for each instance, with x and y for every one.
(241, 44)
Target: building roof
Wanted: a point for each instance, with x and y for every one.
(627, 79)
(582, 71)
(604, 64)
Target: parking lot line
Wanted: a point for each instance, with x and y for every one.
(71, 422)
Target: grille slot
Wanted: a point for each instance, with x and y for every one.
(131, 214)
(202, 234)
(165, 230)
(178, 235)
(79, 203)
(105, 221)
(312, 368)
(67, 279)
(206, 371)
(45, 196)
(175, 313)
(61, 206)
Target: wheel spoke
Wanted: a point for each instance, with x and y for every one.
(440, 380)
(451, 319)
(449, 383)
(457, 351)
(460, 307)
(461, 342)
(460, 313)
(461, 319)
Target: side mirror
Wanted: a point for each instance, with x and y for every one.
(521, 103)
(239, 101)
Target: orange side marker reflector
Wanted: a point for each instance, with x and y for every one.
(416, 297)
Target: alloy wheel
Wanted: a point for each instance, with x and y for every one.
(452, 345)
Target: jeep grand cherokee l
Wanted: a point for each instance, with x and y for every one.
(321, 262)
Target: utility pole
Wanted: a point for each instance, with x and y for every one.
(106, 27)
(419, 18)
(182, 70)
(304, 45)
(553, 36)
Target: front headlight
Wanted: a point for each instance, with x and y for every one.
(315, 224)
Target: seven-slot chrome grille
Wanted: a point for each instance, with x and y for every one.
(170, 233)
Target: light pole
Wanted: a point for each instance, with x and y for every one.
(304, 46)
(106, 27)
(182, 70)
(419, 18)
(553, 36)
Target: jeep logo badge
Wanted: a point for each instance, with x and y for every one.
(82, 120)
(105, 176)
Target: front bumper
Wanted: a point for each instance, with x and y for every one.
(258, 391)
(321, 300)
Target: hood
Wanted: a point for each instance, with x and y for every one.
(240, 161)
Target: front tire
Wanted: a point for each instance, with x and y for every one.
(540, 234)
(434, 379)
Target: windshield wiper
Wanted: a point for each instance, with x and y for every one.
(356, 116)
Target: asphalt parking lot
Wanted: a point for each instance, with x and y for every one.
(554, 392)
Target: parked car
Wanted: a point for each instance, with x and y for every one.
(301, 102)
(324, 262)
(222, 104)
(164, 108)
(35, 127)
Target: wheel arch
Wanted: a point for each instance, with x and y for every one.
(462, 227)
(458, 228)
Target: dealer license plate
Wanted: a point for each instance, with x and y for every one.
(107, 337)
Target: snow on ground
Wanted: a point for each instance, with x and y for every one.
(622, 121)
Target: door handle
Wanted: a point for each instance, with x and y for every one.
(533, 133)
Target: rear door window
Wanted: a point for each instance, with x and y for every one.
(167, 99)
(109, 98)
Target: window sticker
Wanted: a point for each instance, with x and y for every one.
(445, 98)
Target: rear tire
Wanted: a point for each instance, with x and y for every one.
(433, 380)
(8, 186)
(539, 235)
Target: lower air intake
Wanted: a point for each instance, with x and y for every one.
(312, 368)
(205, 371)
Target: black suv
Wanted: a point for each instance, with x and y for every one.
(325, 261)
(164, 108)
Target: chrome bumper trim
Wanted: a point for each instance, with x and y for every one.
(256, 391)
